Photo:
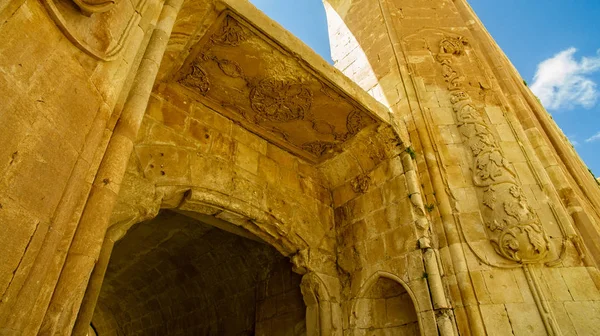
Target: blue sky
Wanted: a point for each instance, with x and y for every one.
(553, 43)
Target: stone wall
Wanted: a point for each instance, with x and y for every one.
(453, 206)
(184, 143)
(442, 74)
(55, 121)
(280, 308)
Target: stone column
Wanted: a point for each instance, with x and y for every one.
(88, 304)
(87, 243)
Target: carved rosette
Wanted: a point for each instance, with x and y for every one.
(280, 100)
(512, 225)
(196, 78)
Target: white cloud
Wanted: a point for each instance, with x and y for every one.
(574, 142)
(562, 82)
(593, 138)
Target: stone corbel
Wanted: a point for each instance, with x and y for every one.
(113, 32)
(89, 7)
(301, 262)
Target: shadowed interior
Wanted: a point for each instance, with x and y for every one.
(175, 275)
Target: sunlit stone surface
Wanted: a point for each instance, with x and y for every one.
(191, 168)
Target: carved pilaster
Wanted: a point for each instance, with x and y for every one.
(512, 225)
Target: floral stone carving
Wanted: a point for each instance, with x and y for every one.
(512, 225)
(230, 34)
(361, 183)
(318, 148)
(196, 78)
(280, 100)
(230, 68)
(278, 97)
(356, 121)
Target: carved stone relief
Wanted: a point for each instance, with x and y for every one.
(280, 100)
(361, 184)
(512, 225)
(230, 33)
(245, 75)
(111, 22)
(196, 78)
(318, 148)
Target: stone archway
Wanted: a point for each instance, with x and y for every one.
(211, 145)
(320, 307)
(386, 306)
(179, 276)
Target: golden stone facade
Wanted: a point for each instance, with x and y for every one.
(191, 168)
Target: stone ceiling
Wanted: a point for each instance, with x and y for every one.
(241, 72)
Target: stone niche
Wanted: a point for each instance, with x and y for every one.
(386, 309)
(174, 275)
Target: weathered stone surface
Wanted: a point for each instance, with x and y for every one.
(225, 180)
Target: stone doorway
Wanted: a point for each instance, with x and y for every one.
(177, 275)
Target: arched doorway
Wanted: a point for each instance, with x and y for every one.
(385, 308)
(176, 275)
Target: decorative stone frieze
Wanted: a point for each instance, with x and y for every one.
(267, 89)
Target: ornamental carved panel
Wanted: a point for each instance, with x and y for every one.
(500, 218)
(247, 76)
(513, 227)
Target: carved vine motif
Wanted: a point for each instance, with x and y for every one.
(280, 100)
(229, 67)
(196, 79)
(318, 148)
(361, 184)
(453, 45)
(230, 33)
(513, 226)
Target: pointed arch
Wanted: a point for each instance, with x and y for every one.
(386, 302)
(320, 305)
